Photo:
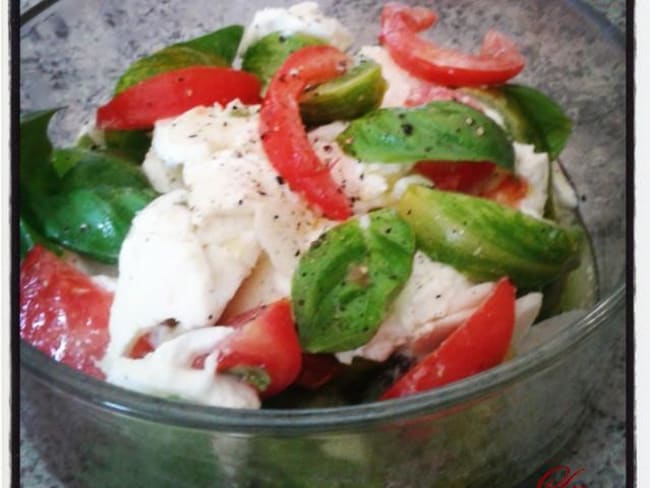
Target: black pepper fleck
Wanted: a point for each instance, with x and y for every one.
(407, 129)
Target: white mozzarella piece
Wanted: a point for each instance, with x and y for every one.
(263, 286)
(202, 131)
(168, 371)
(169, 270)
(285, 228)
(163, 178)
(526, 311)
(305, 17)
(229, 182)
(534, 169)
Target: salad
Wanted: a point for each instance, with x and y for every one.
(264, 216)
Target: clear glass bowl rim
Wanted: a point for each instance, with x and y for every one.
(287, 422)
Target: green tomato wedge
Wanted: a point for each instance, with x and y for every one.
(438, 131)
(265, 56)
(529, 115)
(357, 92)
(486, 240)
(345, 282)
(215, 49)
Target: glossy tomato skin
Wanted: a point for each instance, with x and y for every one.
(174, 92)
(317, 370)
(481, 179)
(62, 312)
(265, 338)
(455, 176)
(283, 134)
(505, 188)
(141, 347)
(498, 61)
(480, 343)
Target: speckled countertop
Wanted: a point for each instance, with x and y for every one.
(599, 447)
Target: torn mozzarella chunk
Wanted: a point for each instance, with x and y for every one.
(169, 269)
(229, 182)
(305, 18)
(163, 178)
(534, 169)
(286, 227)
(263, 286)
(168, 371)
(202, 131)
(526, 311)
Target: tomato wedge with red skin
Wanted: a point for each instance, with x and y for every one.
(264, 344)
(482, 179)
(480, 343)
(142, 347)
(455, 176)
(317, 370)
(62, 312)
(173, 93)
(506, 188)
(498, 61)
(283, 134)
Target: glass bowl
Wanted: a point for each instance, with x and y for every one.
(491, 430)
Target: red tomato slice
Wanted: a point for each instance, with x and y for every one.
(478, 344)
(142, 347)
(264, 349)
(174, 92)
(318, 369)
(283, 134)
(482, 179)
(455, 176)
(62, 312)
(505, 188)
(498, 61)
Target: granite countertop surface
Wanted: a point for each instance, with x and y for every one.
(599, 447)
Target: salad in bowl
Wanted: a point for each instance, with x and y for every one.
(264, 217)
